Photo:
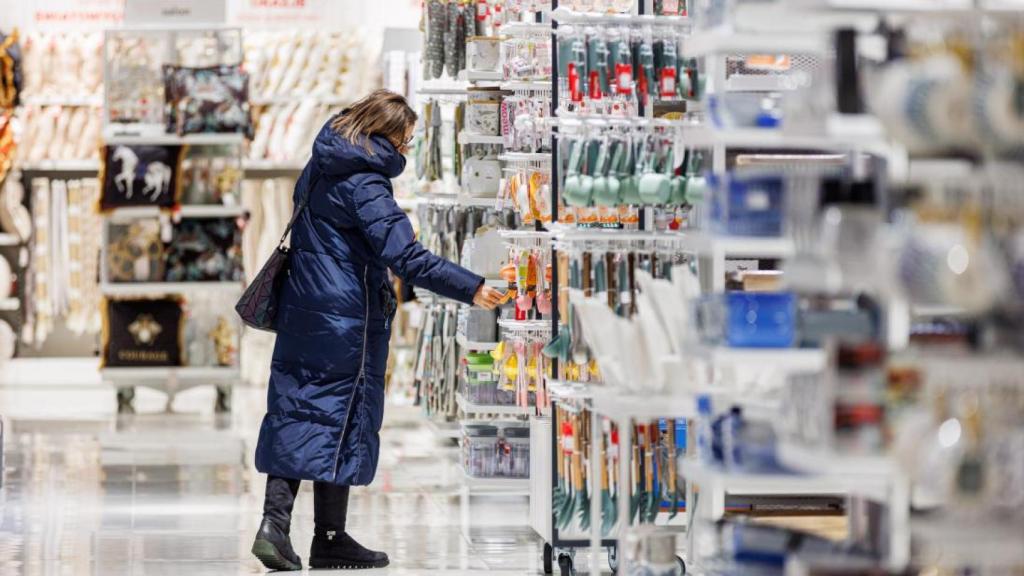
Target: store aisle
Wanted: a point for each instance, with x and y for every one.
(87, 492)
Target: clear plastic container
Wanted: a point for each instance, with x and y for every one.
(480, 450)
(481, 384)
(517, 454)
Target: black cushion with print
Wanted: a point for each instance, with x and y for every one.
(143, 333)
(140, 176)
(212, 99)
(205, 250)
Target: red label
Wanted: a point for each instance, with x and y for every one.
(667, 82)
(624, 78)
(575, 90)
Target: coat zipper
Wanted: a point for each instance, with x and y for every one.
(362, 371)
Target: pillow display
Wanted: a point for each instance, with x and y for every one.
(214, 99)
(205, 250)
(141, 176)
(135, 252)
(143, 333)
(55, 133)
(320, 64)
(14, 216)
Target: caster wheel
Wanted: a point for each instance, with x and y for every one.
(548, 559)
(223, 404)
(682, 565)
(613, 559)
(565, 565)
(126, 400)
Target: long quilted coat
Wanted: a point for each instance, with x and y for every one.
(326, 399)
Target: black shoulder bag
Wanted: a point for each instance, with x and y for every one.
(258, 304)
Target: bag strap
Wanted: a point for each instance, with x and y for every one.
(303, 202)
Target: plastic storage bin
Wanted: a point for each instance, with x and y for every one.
(516, 455)
(760, 320)
(480, 449)
(747, 205)
(481, 380)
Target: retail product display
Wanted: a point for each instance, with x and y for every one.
(493, 452)
(58, 133)
(141, 176)
(8, 146)
(45, 51)
(139, 93)
(310, 64)
(283, 131)
(189, 250)
(143, 333)
(211, 99)
(61, 279)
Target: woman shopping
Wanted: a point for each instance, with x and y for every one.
(326, 398)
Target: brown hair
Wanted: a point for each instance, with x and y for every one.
(382, 112)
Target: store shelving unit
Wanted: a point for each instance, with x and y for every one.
(470, 409)
(171, 379)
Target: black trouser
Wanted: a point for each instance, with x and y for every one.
(330, 504)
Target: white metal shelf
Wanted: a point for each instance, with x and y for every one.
(511, 486)
(470, 138)
(62, 166)
(457, 200)
(624, 405)
(249, 165)
(525, 325)
(468, 408)
(565, 15)
(820, 461)
(525, 157)
(570, 390)
(140, 139)
(747, 484)
(91, 100)
(187, 211)
(527, 85)
(784, 359)
(325, 100)
(461, 340)
(207, 373)
(707, 43)
(843, 134)
(183, 288)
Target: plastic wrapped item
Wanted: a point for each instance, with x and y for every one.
(481, 380)
(760, 320)
(743, 110)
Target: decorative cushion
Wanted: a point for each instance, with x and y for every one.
(141, 176)
(143, 333)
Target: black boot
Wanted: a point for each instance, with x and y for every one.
(273, 547)
(332, 546)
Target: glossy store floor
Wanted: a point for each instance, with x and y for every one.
(88, 492)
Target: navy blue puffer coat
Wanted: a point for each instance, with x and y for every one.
(326, 399)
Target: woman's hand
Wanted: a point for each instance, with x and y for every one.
(487, 297)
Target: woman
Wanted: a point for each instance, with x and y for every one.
(326, 399)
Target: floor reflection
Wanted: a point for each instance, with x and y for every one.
(87, 492)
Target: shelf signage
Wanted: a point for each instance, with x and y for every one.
(174, 12)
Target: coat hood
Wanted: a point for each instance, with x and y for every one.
(336, 156)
